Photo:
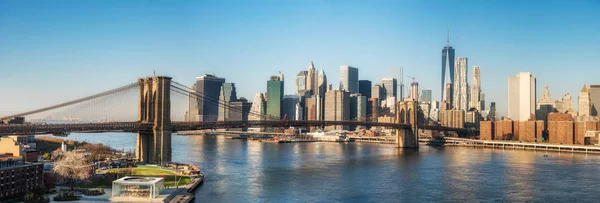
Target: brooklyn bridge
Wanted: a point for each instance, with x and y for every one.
(160, 103)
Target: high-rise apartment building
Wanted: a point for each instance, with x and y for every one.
(301, 83)
(390, 85)
(521, 96)
(594, 91)
(274, 96)
(447, 61)
(460, 101)
(349, 79)
(364, 88)
(426, 96)
(208, 87)
(475, 89)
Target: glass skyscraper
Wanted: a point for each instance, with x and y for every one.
(447, 59)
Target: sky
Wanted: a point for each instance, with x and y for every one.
(55, 51)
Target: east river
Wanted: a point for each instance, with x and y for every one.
(247, 171)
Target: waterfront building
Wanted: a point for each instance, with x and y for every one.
(289, 103)
(364, 88)
(228, 94)
(311, 79)
(17, 177)
(208, 87)
(584, 102)
(274, 96)
(426, 96)
(521, 96)
(390, 85)
(460, 101)
(447, 61)
(301, 84)
(414, 91)
(349, 79)
(475, 89)
(453, 118)
(594, 92)
(337, 108)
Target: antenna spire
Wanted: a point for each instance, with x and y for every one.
(448, 37)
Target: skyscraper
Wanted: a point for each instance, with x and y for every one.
(414, 90)
(193, 105)
(227, 95)
(289, 103)
(301, 83)
(377, 91)
(521, 96)
(475, 89)
(426, 96)
(258, 108)
(447, 60)
(390, 85)
(337, 107)
(320, 96)
(584, 102)
(349, 79)
(209, 88)
(364, 88)
(460, 101)
(311, 79)
(274, 96)
(594, 91)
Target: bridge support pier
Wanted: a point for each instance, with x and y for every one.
(154, 146)
(407, 112)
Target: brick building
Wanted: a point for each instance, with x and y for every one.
(18, 177)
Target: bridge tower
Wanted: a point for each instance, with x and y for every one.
(407, 112)
(154, 146)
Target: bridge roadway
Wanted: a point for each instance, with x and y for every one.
(31, 129)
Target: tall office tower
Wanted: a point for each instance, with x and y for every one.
(310, 108)
(414, 90)
(358, 107)
(448, 99)
(289, 103)
(447, 60)
(492, 114)
(337, 107)
(482, 101)
(208, 87)
(521, 96)
(594, 91)
(584, 102)
(274, 96)
(567, 102)
(426, 96)
(228, 94)
(460, 101)
(364, 88)
(280, 76)
(378, 92)
(321, 90)
(311, 79)
(299, 112)
(258, 108)
(390, 85)
(193, 105)
(475, 89)
(400, 91)
(349, 78)
(300, 84)
(242, 111)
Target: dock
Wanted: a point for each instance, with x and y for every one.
(186, 194)
(587, 149)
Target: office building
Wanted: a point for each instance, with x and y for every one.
(448, 99)
(521, 96)
(258, 108)
(321, 90)
(301, 83)
(310, 108)
(311, 79)
(289, 103)
(358, 107)
(459, 100)
(228, 94)
(337, 108)
(377, 91)
(274, 96)
(364, 88)
(426, 96)
(390, 85)
(584, 102)
(349, 79)
(594, 91)
(447, 61)
(208, 89)
(475, 89)
(17, 177)
(482, 101)
(492, 113)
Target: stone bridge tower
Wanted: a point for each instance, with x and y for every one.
(154, 146)
(407, 112)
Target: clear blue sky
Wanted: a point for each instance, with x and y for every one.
(53, 51)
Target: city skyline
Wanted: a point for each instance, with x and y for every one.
(82, 49)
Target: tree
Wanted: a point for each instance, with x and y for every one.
(73, 167)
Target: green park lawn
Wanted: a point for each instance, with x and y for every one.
(170, 176)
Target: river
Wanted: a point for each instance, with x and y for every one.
(247, 171)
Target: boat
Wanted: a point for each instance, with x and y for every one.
(61, 134)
